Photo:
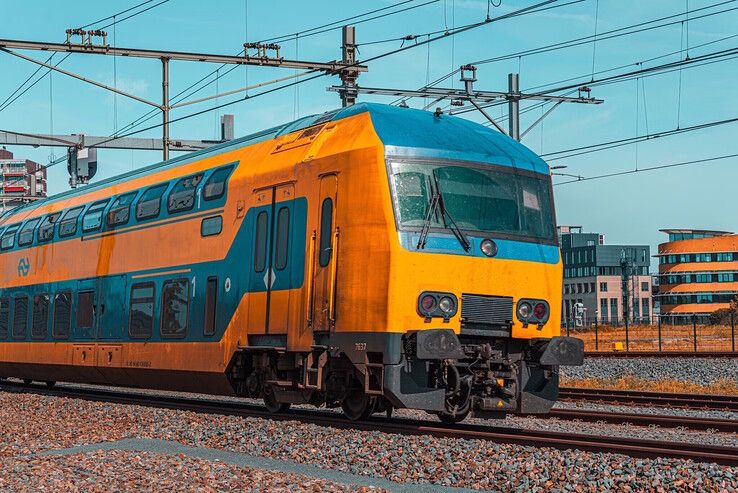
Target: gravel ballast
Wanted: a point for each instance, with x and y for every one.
(35, 426)
(696, 370)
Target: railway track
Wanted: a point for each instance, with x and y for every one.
(634, 447)
(661, 354)
(689, 422)
(661, 399)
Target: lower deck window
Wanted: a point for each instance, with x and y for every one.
(20, 317)
(85, 309)
(175, 304)
(62, 315)
(4, 316)
(40, 320)
(142, 310)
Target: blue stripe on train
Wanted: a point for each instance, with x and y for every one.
(235, 271)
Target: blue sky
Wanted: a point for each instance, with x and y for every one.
(629, 208)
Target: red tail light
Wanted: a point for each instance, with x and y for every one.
(540, 311)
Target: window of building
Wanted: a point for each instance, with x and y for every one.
(40, 316)
(261, 237)
(614, 315)
(645, 308)
(20, 316)
(603, 287)
(603, 310)
(46, 230)
(149, 205)
(25, 237)
(92, 220)
(580, 288)
(85, 309)
(62, 320)
(211, 226)
(68, 223)
(703, 277)
(8, 239)
(283, 236)
(120, 211)
(644, 286)
(211, 302)
(326, 227)
(566, 289)
(215, 186)
(591, 287)
(182, 196)
(4, 316)
(175, 303)
(141, 323)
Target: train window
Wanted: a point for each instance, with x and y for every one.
(20, 316)
(40, 316)
(85, 309)
(175, 304)
(68, 223)
(60, 325)
(211, 301)
(120, 211)
(283, 234)
(92, 219)
(149, 205)
(182, 196)
(4, 317)
(8, 239)
(25, 237)
(46, 230)
(326, 225)
(211, 226)
(260, 249)
(216, 185)
(141, 321)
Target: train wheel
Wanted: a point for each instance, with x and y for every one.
(356, 404)
(271, 403)
(50, 384)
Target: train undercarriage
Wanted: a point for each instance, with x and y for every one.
(432, 370)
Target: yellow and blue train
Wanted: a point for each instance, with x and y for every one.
(373, 257)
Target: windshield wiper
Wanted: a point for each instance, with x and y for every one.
(436, 202)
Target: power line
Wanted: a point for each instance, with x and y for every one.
(650, 168)
(7, 103)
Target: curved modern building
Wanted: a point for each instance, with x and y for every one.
(698, 273)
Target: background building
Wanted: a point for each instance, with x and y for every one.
(698, 273)
(21, 180)
(604, 278)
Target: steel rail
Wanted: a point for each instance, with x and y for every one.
(635, 447)
(661, 354)
(635, 397)
(689, 422)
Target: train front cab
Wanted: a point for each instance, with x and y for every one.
(475, 290)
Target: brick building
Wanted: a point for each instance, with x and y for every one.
(21, 180)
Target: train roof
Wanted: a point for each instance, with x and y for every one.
(403, 131)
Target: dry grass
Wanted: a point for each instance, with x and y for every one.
(725, 386)
(646, 337)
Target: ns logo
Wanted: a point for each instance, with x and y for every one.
(24, 266)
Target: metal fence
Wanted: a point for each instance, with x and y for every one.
(690, 333)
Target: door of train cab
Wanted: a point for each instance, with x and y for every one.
(270, 280)
(324, 268)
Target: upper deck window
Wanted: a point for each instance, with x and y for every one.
(149, 205)
(46, 230)
(8, 239)
(120, 211)
(68, 223)
(25, 237)
(478, 198)
(215, 186)
(182, 196)
(92, 219)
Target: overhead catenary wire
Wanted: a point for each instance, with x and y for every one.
(456, 31)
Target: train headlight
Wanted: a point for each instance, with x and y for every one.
(488, 247)
(434, 304)
(524, 310)
(540, 311)
(446, 305)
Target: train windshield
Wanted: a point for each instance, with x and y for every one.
(505, 203)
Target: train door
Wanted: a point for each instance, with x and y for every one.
(84, 309)
(110, 307)
(271, 272)
(324, 268)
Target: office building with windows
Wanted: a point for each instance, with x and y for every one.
(609, 280)
(21, 180)
(698, 273)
